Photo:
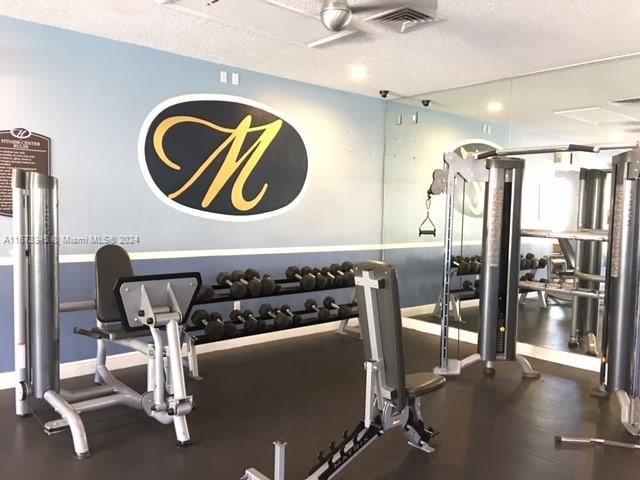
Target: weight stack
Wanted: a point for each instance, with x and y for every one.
(501, 260)
(42, 283)
(622, 318)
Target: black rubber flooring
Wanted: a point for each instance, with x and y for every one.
(307, 391)
(543, 327)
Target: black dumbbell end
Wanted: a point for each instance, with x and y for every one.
(222, 278)
(198, 317)
(214, 330)
(269, 286)
(324, 315)
(308, 283)
(238, 290)
(328, 302)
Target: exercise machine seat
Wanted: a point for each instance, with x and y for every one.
(419, 384)
(381, 326)
(112, 263)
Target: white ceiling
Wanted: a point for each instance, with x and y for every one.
(532, 101)
(478, 40)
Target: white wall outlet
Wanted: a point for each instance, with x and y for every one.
(223, 77)
(235, 78)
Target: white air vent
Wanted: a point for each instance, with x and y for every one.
(595, 115)
(406, 17)
(265, 17)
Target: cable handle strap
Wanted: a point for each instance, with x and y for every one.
(427, 231)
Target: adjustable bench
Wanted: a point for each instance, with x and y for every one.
(392, 398)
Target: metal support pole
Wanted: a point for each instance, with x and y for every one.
(158, 371)
(44, 328)
(490, 277)
(497, 334)
(279, 460)
(446, 274)
(20, 292)
(576, 320)
(588, 253)
(623, 284)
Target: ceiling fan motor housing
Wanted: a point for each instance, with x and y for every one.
(335, 14)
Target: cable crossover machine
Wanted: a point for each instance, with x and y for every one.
(502, 174)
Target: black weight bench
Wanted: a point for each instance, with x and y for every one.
(112, 262)
(392, 398)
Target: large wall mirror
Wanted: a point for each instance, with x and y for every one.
(597, 103)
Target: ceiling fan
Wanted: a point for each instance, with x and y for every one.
(337, 14)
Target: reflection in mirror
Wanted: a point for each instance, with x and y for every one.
(597, 103)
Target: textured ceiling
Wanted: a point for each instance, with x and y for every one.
(478, 40)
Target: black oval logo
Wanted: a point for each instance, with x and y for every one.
(21, 133)
(222, 157)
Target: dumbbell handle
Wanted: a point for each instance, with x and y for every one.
(240, 317)
(335, 306)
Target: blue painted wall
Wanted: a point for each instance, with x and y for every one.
(91, 96)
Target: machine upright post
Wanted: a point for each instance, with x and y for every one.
(279, 460)
(19, 179)
(497, 335)
(622, 315)
(445, 297)
(622, 275)
(501, 256)
(43, 301)
(585, 311)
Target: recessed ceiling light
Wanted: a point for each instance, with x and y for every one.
(494, 107)
(358, 73)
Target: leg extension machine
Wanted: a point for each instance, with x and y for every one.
(127, 307)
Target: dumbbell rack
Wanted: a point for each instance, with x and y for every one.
(542, 296)
(191, 339)
(461, 295)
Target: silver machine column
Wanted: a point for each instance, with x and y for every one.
(622, 316)
(497, 335)
(42, 198)
(588, 253)
(35, 285)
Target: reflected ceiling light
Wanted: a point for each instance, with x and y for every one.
(494, 107)
(358, 73)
